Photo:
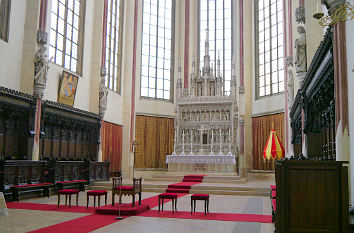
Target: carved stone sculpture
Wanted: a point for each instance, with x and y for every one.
(40, 71)
(300, 14)
(289, 61)
(290, 88)
(102, 97)
(300, 46)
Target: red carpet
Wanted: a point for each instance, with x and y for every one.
(210, 216)
(174, 190)
(80, 225)
(49, 207)
(125, 209)
(184, 187)
(95, 221)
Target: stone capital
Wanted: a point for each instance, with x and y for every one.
(241, 90)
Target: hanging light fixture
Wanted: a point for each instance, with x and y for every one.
(342, 14)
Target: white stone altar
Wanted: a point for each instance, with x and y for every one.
(205, 121)
(205, 163)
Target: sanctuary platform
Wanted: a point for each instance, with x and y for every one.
(122, 209)
(212, 183)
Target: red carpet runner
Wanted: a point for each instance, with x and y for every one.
(185, 186)
(95, 221)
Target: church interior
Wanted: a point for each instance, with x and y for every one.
(177, 116)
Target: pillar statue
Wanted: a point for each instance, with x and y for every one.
(300, 46)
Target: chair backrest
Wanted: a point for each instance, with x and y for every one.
(117, 181)
(137, 184)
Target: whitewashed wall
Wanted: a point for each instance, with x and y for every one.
(11, 51)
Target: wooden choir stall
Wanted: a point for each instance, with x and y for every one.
(68, 146)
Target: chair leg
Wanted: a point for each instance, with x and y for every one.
(99, 201)
(162, 202)
(112, 198)
(66, 199)
(195, 203)
(133, 204)
(191, 206)
(70, 201)
(88, 199)
(159, 204)
(94, 201)
(208, 205)
(105, 199)
(120, 199)
(205, 206)
(77, 199)
(173, 203)
(140, 198)
(176, 205)
(58, 199)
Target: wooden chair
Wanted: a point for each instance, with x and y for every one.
(119, 189)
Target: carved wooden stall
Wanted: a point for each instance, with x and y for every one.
(311, 196)
(97, 171)
(21, 172)
(296, 124)
(16, 114)
(68, 133)
(316, 99)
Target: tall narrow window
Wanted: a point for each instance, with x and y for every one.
(156, 49)
(66, 33)
(270, 47)
(216, 15)
(113, 44)
(5, 8)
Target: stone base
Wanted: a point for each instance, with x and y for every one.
(193, 167)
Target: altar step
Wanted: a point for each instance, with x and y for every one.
(206, 179)
(216, 189)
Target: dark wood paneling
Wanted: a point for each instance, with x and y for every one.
(312, 197)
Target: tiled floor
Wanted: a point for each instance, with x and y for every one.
(27, 220)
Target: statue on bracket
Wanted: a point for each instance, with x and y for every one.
(102, 97)
(300, 46)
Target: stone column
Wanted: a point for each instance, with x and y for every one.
(40, 76)
(186, 48)
(103, 91)
(241, 160)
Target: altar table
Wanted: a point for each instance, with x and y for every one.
(206, 163)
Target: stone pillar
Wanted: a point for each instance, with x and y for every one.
(40, 76)
(103, 91)
(186, 48)
(242, 162)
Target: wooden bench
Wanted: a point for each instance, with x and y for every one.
(17, 189)
(19, 176)
(66, 174)
(80, 184)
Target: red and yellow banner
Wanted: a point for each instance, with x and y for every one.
(273, 148)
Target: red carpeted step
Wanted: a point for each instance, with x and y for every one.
(179, 186)
(194, 176)
(125, 209)
(172, 190)
(192, 180)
